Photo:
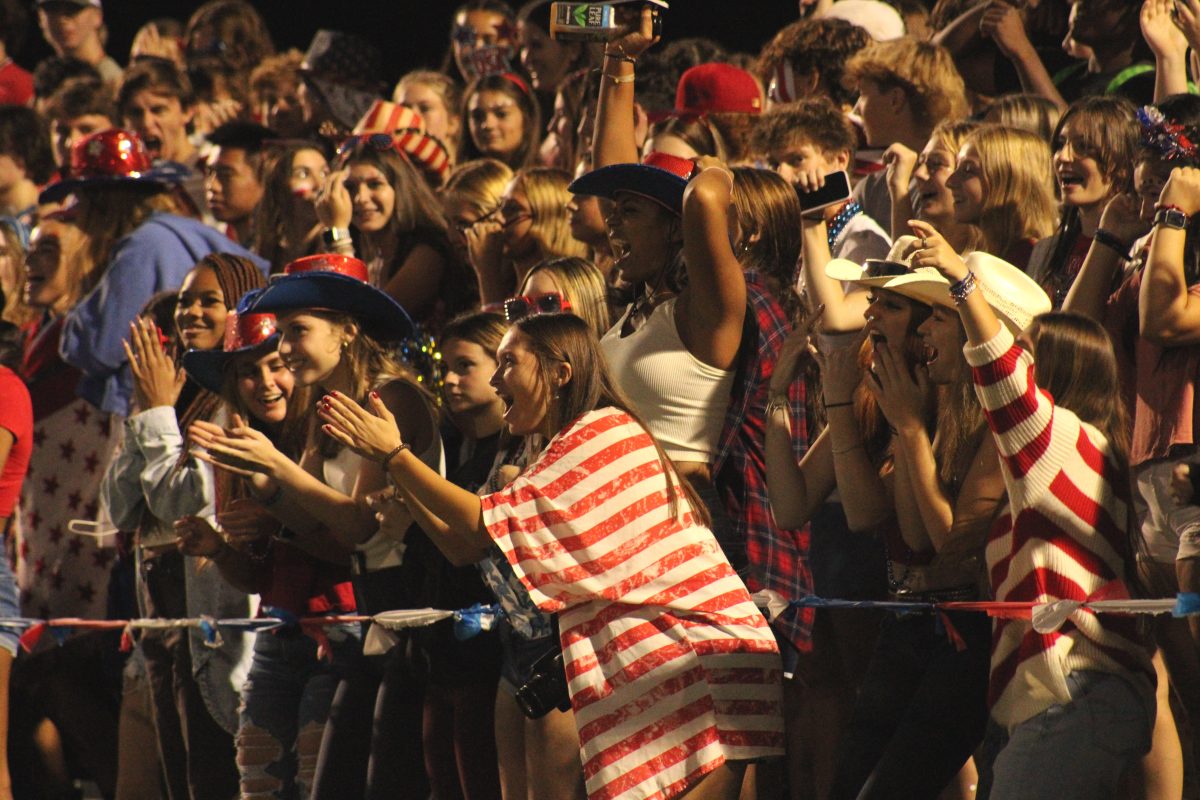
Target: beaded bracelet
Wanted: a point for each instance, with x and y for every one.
(962, 289)
(620, 57)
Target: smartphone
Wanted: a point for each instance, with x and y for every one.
(835, 190)
(600, 22)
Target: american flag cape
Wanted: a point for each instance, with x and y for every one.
(671, 668)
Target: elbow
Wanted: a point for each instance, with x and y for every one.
(1159, 330)
(462, 560)
(786, 518)
(705, 195)
(791, 515)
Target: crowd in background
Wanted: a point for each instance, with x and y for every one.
(620, 335)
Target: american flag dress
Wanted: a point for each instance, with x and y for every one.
(671, 668)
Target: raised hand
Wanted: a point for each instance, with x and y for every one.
(900, 162)
(796, 347)
(335, 207)
(1182, 190)
(210, 116)
(1187, 17)
(932, 250)
(902, 397)
(149, 43)
(840, 371)
(372, 434)
(1122, 218)
(485, 243)
(1160, 30)
(640, 37)
(241, 449)
(156, 379)
(1003, 24)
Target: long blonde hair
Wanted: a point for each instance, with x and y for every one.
(583, 284)
(479, 183)
(546, 190)
(1018, 200)
(951, 135)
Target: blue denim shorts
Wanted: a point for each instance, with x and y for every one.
(9, 607)
(1076, 750)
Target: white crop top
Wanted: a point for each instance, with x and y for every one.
(682, 399)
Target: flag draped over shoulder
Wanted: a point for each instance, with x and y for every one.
(672, 669)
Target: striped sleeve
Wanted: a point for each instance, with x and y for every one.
(1034, 437)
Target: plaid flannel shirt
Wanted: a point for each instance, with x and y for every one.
(778, 558)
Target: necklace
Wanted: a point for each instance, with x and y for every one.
(642, 307)
(838, 224)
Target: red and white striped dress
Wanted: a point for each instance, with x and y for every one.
(1064, 539)
(672, 670)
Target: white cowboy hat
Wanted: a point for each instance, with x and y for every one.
(1015, 297)
(923, 284)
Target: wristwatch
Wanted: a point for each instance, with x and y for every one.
(1171, 217)
(335, 236)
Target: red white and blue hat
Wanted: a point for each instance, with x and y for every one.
(660, 177)
(245, 330)
(111, 157)
(331, 282)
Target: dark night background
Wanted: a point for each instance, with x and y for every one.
(414, 34)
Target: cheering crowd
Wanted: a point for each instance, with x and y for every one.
(644, 342)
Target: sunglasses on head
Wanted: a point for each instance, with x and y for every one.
(374, 141)
(878, 268)
(522, 306)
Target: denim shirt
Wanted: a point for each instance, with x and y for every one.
(144, 490)
(155, 256)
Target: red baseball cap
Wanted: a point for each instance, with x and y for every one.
(717, 89)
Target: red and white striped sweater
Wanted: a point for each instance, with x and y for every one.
(1064, 538)
(671, 668)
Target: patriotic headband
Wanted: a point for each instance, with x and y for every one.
(1171, 140)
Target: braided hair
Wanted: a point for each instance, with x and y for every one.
(235, 275)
